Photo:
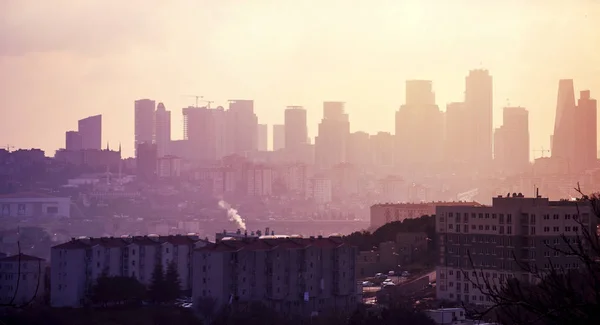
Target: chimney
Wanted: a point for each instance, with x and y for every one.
(267, 231)
(272, 233)
(239, 232)
(245, 233)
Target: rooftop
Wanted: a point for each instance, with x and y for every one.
(111, 242)
(426, 204)
(20, 257)
(271, 242)
(27, 195)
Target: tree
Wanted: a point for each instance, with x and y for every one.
(172, 283)
(117, 290)
(558, 295)
(156, 291)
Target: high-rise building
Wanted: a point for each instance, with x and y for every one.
(382, 148)
(90, 131)
(490, 244)
(296, 132)
(199, 130)
(419, 92)
(585, 133)
(511, 141)
(457, 126)
(358, 150)
(479, 104)
(263, 137)
(243, 125)
(278, 137)
(415, 148)
(563, 138)
(144, 121)
(162, 130)
(73, 141)
(330, 143)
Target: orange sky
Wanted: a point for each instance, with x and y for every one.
(63, 60)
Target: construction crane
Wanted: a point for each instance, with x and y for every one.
(543, 151)
(8, 147)
(208, 102)
(195, 96)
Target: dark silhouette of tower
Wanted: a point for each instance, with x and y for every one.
(479, 104)
(563, 137)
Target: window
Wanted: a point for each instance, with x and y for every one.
(466, 228)
(546, 217)
(487, 227)
(501, 220)
(532, 219)
(494, 228)
(532, 231)
(555, 217)
(480, 227)
(546, 229)
(567, 216)
(508, 230)
(556, 229)
(451, 226)
(493, 216)
(501, 230)
(509, 218)
(52, 210)
(473, 227)
(575, 228)
(567, 228)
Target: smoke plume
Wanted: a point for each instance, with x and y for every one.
(233, 214)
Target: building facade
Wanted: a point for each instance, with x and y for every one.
(489, 243)
(78, 263)
(383, 213)
(21, 284)
(144, 116)
(34, 205)
(162, 130)
(292, 275)
(90, 131)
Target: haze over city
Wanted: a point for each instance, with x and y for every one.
(64, 59)
(273, 162)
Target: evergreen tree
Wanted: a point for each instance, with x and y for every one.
(157, 286)
(172, 282)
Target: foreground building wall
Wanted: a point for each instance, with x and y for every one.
(291, 275)
(514, 230)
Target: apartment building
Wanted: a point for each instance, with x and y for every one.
(21, 279)
(292, 275)
(78, 263)
(498, 238)
(383, 213)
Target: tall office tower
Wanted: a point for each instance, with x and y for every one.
(330, 143)
(222, 137)
(585, 133)
(144, 121)
(296, 132)
(162, 130)
(457, 136)
(419, 127)
(382, 149)
(479, 104)
(278, 137)
(199, 130)
(419, 92)
(263, 137)
(563, 139)
(489, 244)
(511, 141)
(73, 141)
(90, 131)
(243, 126)
(358, 150)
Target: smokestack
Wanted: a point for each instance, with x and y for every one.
(272, 233)
(267, 231)
(245, 233)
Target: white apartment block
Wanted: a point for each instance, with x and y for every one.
(21, 285)
(512, 227)
(292, 275)
(78, 263)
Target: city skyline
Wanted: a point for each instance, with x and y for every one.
(368, 75)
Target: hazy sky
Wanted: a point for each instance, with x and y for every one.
(63, 60)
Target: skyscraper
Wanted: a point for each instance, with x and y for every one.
(330, 143)
(199, 130)
(296, 132)
(511, 141)
(419, 127)
(358, 149)
(144, 121)
(563, 140)
(586, 132)
(162, 130)
(243, 126)
(479, 104)
(90, 131)
(278, 137)
(263, 137)
(457, 121)
(73, 141)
